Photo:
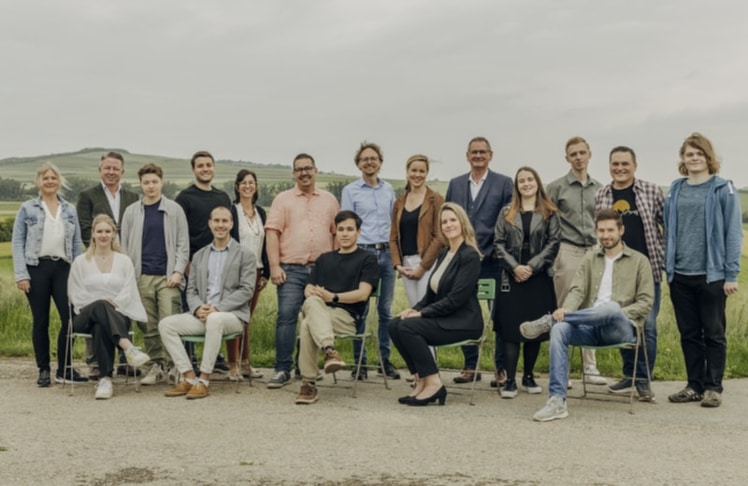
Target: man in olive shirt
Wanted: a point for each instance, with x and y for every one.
(574, 195)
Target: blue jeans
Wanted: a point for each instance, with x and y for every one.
(595, 326)
(384, 305)
(290, 299)
(489, 268)
(650, 341)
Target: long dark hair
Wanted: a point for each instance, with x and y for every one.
(239, 178)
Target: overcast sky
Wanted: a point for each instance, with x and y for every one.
(264, 80)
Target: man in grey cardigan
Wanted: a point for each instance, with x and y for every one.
(221, 284)
(155, 237)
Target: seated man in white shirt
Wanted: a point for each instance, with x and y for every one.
(612, 291)
(221, 284)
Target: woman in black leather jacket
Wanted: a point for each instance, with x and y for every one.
(526, 241)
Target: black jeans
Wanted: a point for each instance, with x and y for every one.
(48, 279)
(107, 326)
(700, 313)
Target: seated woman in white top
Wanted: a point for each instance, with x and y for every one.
(104, 295)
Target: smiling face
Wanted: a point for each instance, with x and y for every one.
(622, 169)
(103, 234)
(527, 185)
(578, 156)
(305, 174)
(111, 171)
(369, 162)
(220, 224)
(48, 183)
(479, 155)
(695, 161)
(152, 186)
(347, 234)
(204, 170)
(609, 233)
(450, 225)
(416, 174)
(247, 188)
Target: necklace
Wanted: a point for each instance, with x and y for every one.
(253, 225)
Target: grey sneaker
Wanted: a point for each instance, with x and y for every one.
(533, 329)
(686, 395)
(155, 375)
(712, 399)
(592, 376)
(279, 379)
(621, 387)
(554, 409)
(643, 392)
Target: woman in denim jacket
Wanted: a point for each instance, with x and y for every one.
(46, 239)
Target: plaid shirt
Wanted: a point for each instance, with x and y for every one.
(649, 202)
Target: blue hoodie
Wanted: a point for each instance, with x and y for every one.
(724, 230)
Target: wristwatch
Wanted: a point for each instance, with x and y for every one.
(335, 298)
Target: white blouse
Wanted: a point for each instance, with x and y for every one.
(251, 233)
(53, 235)
(87, 284)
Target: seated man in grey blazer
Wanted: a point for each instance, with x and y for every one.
(221, 284)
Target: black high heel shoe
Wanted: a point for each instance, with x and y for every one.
(406, 399)
(440, 396)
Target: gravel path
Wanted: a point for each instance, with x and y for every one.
(260, 437)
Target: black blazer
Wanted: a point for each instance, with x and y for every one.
(235, 235)
(93, 202)
(455, 303)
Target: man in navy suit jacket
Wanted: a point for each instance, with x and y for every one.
(482, 193)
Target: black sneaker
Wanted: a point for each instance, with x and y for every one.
(221, 365)
(643, 392)
(76, 377)
(530, 385)
(622, 387)
(509, 390)
(43, 381)
(362, 375)
(389, 370)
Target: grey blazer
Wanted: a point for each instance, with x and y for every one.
(238, 281)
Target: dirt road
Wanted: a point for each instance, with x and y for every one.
(260, 437)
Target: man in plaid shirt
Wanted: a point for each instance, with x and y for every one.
(640, 204)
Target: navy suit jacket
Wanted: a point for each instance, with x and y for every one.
(495, 193)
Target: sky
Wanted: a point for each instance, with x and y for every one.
(264, 80)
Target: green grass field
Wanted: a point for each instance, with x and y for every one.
(15, 336)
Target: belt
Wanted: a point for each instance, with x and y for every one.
(305, 265)
(375, 246)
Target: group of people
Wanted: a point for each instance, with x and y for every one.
(575, 262)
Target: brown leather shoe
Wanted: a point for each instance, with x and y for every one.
(466, 376)
(179, 390)
(198, 391)
(499, 378)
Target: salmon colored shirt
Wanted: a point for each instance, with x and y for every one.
(305, 223)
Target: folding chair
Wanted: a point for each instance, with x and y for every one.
(487, 292)
(362, 334)
(200, 338)
(635, 346)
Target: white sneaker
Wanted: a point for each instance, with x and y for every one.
(554, 409)
(569, 384)
(136, 358)
(155, 375)
(592, 376)
(104, 389)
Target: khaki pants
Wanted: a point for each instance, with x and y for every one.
(564, 268)
(159, 301)
(318, 324)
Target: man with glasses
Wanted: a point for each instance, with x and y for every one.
(300, 227)
(482, 193)
(372, 199)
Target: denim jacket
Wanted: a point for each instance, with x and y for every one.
(27, 235)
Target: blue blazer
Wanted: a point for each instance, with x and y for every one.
(495, 193)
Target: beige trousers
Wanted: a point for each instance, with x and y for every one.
(318, 324)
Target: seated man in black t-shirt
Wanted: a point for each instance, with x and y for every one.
(336, 295)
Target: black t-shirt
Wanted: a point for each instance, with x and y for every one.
(197, 205)
(409, 231)
(342, 272)
(624, 201)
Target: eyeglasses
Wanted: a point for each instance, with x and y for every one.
(479, 152)
(308, 168)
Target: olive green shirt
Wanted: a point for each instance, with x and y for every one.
(576, 208)
(633, 285)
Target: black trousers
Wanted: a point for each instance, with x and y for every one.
(700, 313)
(107, 326)
(48, 280)
(412, 338)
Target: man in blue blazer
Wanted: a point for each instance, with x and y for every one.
(482, 193)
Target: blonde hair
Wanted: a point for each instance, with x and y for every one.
(47, 166)
(468, 233)
(700, 142)
(102, 218)
(412, 159)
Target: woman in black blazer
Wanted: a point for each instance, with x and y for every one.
(448, 313)
(249, 220)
